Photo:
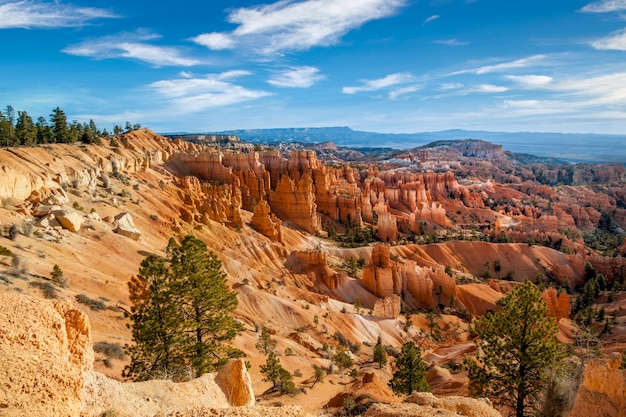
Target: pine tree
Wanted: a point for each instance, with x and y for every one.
(181, 313)
(44, 132)
(60, 131)
(273, 371)
(518, 344)
(207, 304)
(380, 355)
(157, 324)
(25, 129)
(411, 371)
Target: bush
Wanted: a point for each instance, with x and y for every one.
(5, 252)
(57, 276)
(93, 304)
(111, 350)
(13, 232)
(48, 290)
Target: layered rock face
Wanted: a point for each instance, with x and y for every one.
(603, 390)
(422, 404)
(265, 222)
(315, 262)
(422, 287)
(45, 352)
(46, 358)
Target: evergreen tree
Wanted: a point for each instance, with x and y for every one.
(181, 310)
(411, 371)
(7, 128)
(273, 371)
(518, 344)
(25, 129)
(206, 302)
(60, 131)
(380, 355)
(265, 344)
(44, 132)
(157, 324)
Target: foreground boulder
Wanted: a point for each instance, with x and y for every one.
(46, 363)
(234, 380)
(45, 351)
(126, 226)
(603, 390)
(424, 404)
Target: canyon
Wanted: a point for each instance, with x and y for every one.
(324, 253)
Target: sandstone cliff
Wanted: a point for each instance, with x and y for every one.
(603, 390)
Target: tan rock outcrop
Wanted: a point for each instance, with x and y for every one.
(424, 404)
(234, 380)
(465, 406)
(150, 398)
(45, 350)
(603, 390)
(265, 222)
(388, 307)
(125, 226)
(70, 220)
(315, 262)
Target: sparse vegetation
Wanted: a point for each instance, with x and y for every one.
(93, 304)
(273, 371)
(57, 276)
(110, 350)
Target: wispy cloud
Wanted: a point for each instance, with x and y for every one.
(451, 86)
(188, 95)
(451, 42)
(605, 6)
(380, 83)
(504, 66)
(131, 46)
(431, 18)
(296, 77)
(597, 90)
(296, 25)
(530, 80)
(617, 42)
(29, 14)
(394, 94)
(487, 88)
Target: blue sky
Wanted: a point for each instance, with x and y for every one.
(376, 65)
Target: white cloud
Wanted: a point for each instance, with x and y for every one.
(487, 88)
(296, 77)
(215, 41)
(188, 95)
(451, 86)
(531, 80)
(605, 6)
(617, 42)
(598, 90)
(403, 91)
(504, 66)
(131, 46)
(29, 14)
(380, 83)
(431, 18)
(297, 25)
(451, 42)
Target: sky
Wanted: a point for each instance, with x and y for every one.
(375, 65)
